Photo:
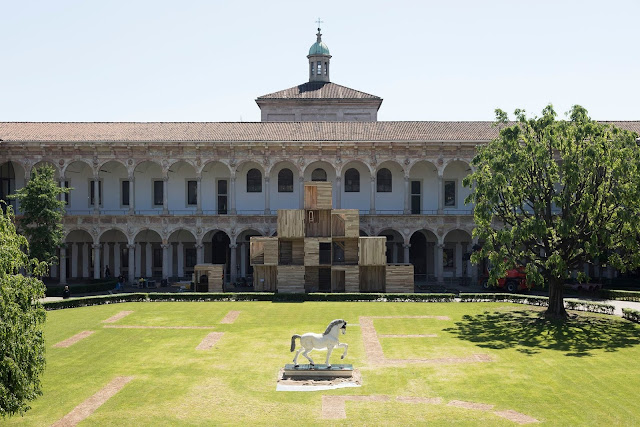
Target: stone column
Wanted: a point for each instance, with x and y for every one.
(116, 259)
(165, 261)
(96, 196)
(469, 264)
(440, 194)
(232, 195)
(372, 201)
(148, 260)
(74, 260)
(96, 261)
(199, 195)
(458, 262)
(338, 192)
(132, 195)
(267, 196)
(138, 263)
(165, 195)
(170, 259)
(180, 260)
(132, 263)
(406, 254)
(407, 196)
(439, 258)
(63, 265)
(85, 260)
(243, 256)
(199, 253)
(232, 266)
(301, 191)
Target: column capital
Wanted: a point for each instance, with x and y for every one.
(301, 179)
(406, 246)
(96, 246)
(338, 178)
(199, 246)
(165, 245)
(266, 178)
(373, 178)
(198, 179)
(131, 245)
(407, 178)
(233, 246)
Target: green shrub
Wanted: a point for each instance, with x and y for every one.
(94, 285)
(593, 307)
(620, 295)
(95, 300)
(631, 314)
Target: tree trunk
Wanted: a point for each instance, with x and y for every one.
(556, 300)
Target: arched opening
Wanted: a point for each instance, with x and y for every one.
(182, 188)
(114, 252)
(182, 256)
(79, 255)
(148, 255)
(453, 191)
(455, 256)
(395, 249)
(244, 269)
(319, 174)
(117, 195)
(11, 179)
(149, 188)
(352, 181)
(384, 181)
(254, 181)
(285, 181)
(422, 254)
(217, 251)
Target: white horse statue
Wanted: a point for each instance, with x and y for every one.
(328, 340)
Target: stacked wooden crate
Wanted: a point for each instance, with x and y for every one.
(264, 251)
(399, 278)
(291, 279)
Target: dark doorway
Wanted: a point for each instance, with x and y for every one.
(220, 249)
(324, 279)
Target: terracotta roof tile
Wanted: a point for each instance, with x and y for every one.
(318, 90)
(256, 131)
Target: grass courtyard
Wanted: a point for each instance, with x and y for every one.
(583, 372)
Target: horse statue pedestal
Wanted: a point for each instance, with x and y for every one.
(316, 371)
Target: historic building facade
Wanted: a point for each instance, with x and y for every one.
(154, 199)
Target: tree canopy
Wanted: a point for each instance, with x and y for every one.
(21, 319)
(42, 213)
(555, 194)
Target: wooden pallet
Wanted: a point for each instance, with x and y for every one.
(372, 251)
(291, 278)
(399, 278)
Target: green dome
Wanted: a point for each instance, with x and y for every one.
(319, 48)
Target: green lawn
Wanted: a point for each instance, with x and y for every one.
(584, 372)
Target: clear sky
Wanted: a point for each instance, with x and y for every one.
(196, 60)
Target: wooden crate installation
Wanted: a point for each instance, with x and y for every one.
(265, 278)
(214, 276)
(372, 279)
(318, 195)
(312, 250)
(348, 249)
(399, 278)
(372, 251)
(317, 223)
(345, 223)
(290, 279)
(290, 223)
(264, 251)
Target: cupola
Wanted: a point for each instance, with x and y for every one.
(319, 59)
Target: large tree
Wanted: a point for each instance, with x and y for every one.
(555, 194)
(42, 210)
(21, 319)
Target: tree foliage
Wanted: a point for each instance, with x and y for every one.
(21, 319)
(556, 194)
(42, 214)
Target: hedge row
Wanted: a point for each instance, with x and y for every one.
(97, 286)
(593, 307)
(96, 300)
(631, 314)
(620, 295)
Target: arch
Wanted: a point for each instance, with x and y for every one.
(395, 246)
(114, 252)
(423, 187)
(114, 178)
(113, 234)
(56, 169)
(75, 165)
(182, 163)
(384, 181)
(79, 243)
(211, 164)
(149, 186)
(216, 246)
(12, 176)
(454, 192)
(148, 253)
(181, 234)
(285, 181)
(142, 165)
(109, 163)
(363, 233)
(182, 188)
(457, 243)
(422, 254)
(79, 177)
(352, 181)
(216, 189)
(319, 174)
(320, 164)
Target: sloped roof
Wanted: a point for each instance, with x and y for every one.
(319, 90)
(477, 131)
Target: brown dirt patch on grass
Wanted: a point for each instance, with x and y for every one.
(516, 417)
(230, 317)
(409, 336)
(117, 317)
(156, 327)
(334, 408)
(74, 339)
(415, 399)
(210, 340)
(470, 405)
(89, 406)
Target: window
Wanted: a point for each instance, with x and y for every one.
(222, 197)
(124, 192)
(319, 72)
(448, 257)
(318, 175)
(450, 193)
(92, 191)
(311, 67)
(416, 198)
(190, 255)
(325, 68)
(285, 181)
(192, 192)
(254, 181)
(384, 180)
(65, 196)
(352, 181)
(157, 257)
(158, 193)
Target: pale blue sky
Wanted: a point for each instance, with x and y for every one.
(191, 60)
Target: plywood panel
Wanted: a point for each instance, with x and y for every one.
(318, 195)
(285, 248)
(311, 251)
(399, 278)
(372, 251)
(337, 280)
(291, 279)
(290, 223)
(311, 279)
(265, 278)
(297, 252)
(318, 223)
(372, 279)
(345, 223)
(352, 278)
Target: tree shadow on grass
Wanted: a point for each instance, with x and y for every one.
(529, 332)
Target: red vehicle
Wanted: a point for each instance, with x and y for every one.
(515, 280)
